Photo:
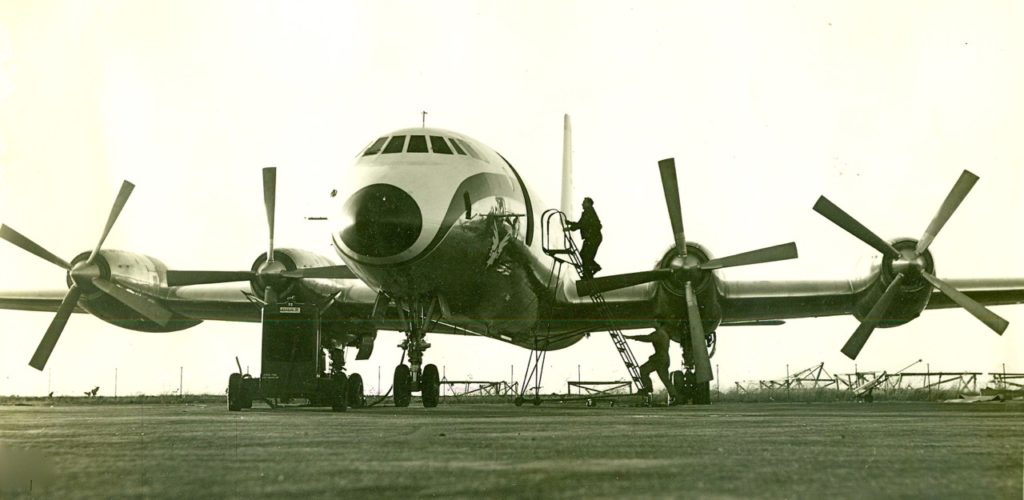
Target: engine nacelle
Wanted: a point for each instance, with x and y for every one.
(914, 291)
(288, 259)
(671, 296)
(141, 272)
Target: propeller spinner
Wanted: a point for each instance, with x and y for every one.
(269, 272)
(908, 264)
(84, 273)
(688, 271)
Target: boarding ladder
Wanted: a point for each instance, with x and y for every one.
(569, 254)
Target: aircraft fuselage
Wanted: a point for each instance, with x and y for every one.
(404, 230)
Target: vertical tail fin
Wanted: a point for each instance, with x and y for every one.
(567, 201)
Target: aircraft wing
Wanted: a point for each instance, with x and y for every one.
(777, 300)
(989, 291)
(216, 302)
(211, 302)
(350, 299)
(34, 300)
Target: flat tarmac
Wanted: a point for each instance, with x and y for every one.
(729, 450)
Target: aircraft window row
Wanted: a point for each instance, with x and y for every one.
(418, 144)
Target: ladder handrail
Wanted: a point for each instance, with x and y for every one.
(570, 248)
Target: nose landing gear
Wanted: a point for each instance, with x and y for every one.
(418, 315)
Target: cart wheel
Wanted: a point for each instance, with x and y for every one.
(536, 401)
(356, 399)
(519, 401)
(235, 392)
(403, 393)
(430, 386)
(338, 391)
(247, 387)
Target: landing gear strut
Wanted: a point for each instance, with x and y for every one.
(685, 381)
(415, 376)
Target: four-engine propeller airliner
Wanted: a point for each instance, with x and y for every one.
(439, 234)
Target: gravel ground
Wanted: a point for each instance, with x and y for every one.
(731, 450)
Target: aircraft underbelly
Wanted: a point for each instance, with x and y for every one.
(480, 272)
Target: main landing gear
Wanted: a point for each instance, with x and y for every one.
(415, 376)
(685, 381)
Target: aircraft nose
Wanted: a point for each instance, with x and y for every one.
(383, 220)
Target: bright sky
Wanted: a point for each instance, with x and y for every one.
(765, 105)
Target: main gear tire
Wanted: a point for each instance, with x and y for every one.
(402, 386)
(430, 386)
(356, 397)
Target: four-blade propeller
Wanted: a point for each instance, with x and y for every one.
(690, 269)
(908, 263)
(86, 273)
(269, 271)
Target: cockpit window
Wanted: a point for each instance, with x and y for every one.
(439, 145)
(417, 144)
(395, 145)
(469, 149)
(375, 147)
(458, 149)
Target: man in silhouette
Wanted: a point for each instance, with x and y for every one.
(589, 227)
(659, 361)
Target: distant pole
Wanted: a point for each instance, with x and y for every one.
(181, 379)
(787, 381)
(115, 382)
(579, 378)
(424, 118)
(928, 376)
(378, 380)
(718, 381)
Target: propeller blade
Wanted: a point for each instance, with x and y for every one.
(142, 305)
(52, 334)
(327, 272)
(860, 336)
(670, 184)
(22, 242)
(698, 346)
(844, 220)
(184, 278)
(991, 319)
(115, 211)
(49, 341)
(769, 254)
(606, 283)
(949, 205)
(269, 202)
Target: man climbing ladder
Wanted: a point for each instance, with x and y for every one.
(589, 227)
